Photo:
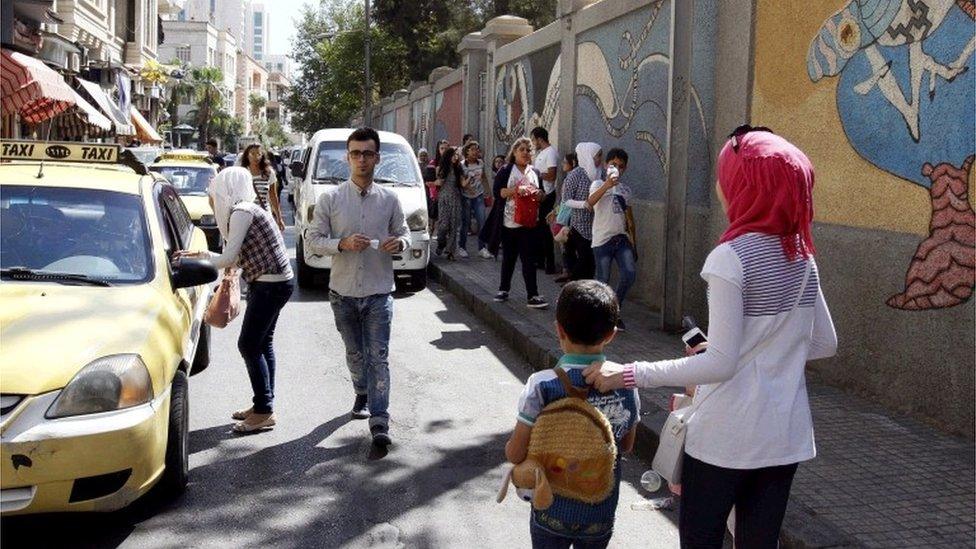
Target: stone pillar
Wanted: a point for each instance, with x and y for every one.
(677, 190)
(473, 52)
(498, 32)
(565, 11)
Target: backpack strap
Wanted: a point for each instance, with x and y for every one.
(570, 389)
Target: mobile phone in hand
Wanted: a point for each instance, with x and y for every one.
(694, 336)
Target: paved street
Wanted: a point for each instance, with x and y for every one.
(314, 481)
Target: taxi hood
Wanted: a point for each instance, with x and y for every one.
(51, 331)
(197, 206)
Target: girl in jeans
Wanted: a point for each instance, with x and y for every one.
(255, 245)
(472, 198)
(767, 318)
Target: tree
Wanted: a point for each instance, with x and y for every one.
(208, 97)
(257, 103)
(227, 128)
(274, 135)
(328, 89)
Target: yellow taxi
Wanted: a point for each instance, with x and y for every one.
(191, 172)
(100, 329)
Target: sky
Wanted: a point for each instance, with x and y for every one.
(282, 28)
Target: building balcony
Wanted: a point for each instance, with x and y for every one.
(171, 7)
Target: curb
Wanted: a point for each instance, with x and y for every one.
(803, 528)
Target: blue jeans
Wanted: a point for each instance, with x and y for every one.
(256, 342)
(364, 324)
(543, 539)
(477, 206)
(620, 250)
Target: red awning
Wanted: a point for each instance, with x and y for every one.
(31, 89)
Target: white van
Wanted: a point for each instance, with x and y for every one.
(323, 164)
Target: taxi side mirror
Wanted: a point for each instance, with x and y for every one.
(298, 169)
(189, 272)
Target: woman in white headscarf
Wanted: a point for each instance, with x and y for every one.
(255, 246)
(576, 189)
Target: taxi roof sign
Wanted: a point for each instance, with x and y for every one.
(191, 156)
(59, 151)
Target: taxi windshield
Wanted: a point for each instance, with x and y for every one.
(397, 164)
(187, 180)
(96, 234)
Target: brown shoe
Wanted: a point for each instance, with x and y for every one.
(255, 422)
(242, 414)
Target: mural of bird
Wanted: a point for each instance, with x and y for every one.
(862, 26)
(889, 46)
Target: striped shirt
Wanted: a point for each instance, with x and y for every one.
(767, 318)
(262, 187)
(567, 517)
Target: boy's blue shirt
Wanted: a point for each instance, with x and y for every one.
(568, 517)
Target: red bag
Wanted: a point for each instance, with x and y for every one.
(225, 304)
(526, 206)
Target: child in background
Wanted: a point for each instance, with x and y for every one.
(558, 219)
(586, 316)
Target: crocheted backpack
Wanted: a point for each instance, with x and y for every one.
(573, 443)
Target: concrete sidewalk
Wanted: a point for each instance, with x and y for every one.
(879, 480)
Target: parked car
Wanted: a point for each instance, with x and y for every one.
(191, 172)
(323, 164)
(100, 327)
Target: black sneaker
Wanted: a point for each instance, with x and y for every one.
(501, 296)
(381, 435)
(360, 410)
(621, 327)
(537, 302)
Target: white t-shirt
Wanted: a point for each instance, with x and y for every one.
(610, 213)
(516, 178)
(754, 411)
(545, 159)
(473, 172)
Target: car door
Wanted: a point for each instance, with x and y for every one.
(177, 230)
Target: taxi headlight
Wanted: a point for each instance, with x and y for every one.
(208, 220)
(109, 383)
(417, 221)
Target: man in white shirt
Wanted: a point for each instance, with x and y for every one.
(546, 162)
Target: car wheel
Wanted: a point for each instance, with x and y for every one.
(306, 274)
(418, 279)
(202, 357)
(177, 469)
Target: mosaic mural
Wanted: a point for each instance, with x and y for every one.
(905, 96)
(622, 94)
(447, 114)
(526, 96)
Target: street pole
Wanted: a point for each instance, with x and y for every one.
(369, 83)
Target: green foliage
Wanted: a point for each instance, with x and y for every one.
(228, 129)
(408, 40)
(330, 46)
(274, 136)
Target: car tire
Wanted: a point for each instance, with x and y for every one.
(201, 359)
(416, 282)
(176, 473)
(306, 274)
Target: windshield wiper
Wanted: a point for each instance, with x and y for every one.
(328, 179)
(23, 273)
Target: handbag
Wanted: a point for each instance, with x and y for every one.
(225, 304)
(671, 446)
(526, 207)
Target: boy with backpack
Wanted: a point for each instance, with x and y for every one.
(574, 432)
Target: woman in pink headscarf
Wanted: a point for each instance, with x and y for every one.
(767, 317)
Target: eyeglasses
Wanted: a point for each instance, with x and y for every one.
(742, 130)
(368, 155)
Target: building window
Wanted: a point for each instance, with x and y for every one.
(258, 20)
(183, 54)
